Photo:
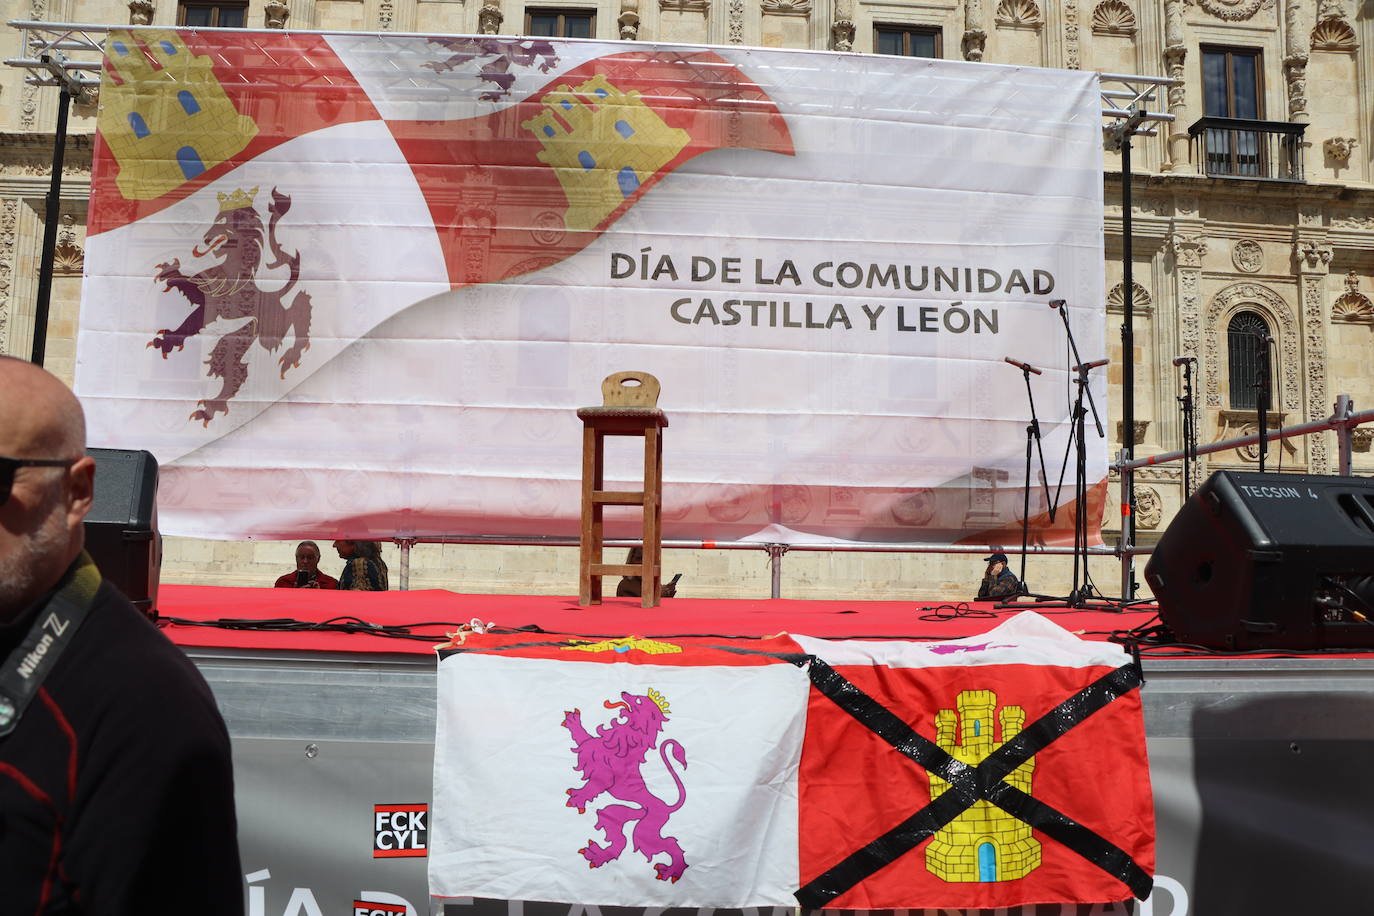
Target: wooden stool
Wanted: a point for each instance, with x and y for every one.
(628, 410)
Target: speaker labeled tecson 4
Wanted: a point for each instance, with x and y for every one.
(1269, 561)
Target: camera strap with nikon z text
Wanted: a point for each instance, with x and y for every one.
(53, 629)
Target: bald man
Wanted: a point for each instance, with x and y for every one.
(116, 788)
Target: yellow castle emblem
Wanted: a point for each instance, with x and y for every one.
(163, 113)
(984, 843)
(603, 144)
(624, 644)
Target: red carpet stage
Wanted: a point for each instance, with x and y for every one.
(444, 611)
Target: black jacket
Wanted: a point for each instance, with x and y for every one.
(116, 787)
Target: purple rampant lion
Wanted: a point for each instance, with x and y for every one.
(611, 761)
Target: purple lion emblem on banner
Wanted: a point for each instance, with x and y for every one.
(612, 761)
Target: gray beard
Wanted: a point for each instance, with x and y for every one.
(25, 573)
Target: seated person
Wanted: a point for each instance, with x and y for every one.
(364, 569)
(633, 586)
(999, 582)
(307, 574)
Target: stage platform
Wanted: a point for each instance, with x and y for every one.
(1259, 765)
(440, 612)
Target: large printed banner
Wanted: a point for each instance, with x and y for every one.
(357, 285)
(1001, 770)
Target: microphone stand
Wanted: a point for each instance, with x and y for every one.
(1262, 402)
(1032, 436)
(1189, 433)
(1078, 596)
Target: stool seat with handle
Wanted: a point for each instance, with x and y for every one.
(629, 408)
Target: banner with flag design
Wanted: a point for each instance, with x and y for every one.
(995, 771)
(358, 284)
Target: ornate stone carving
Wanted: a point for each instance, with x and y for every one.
(1352, 305)
(1314, 357)
(1295, 73)
(1172, 473)
(1248, 256)
(141, 12)
(629, 20)
(1235, 10)
(1280, 316)
(68, 256)
(1023, 13)
(736, 22)
(1361, 437)
(1236, 212)
(1140, 427)
(1113, 17)
(973, 44)
(1141, 303)
(841, 34)
(1149, 508)
(1334, 35)
(489, 18)
(1316, 255)
(1232, 424)
(1071, 56)
(975, 37)
(1352, 221)
(787, 7)
(30, 154)
(1338, 149)
(275, 13)
(9, 218)
(1188, 249)
(386, 15)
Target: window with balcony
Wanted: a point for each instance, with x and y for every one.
(213, 15)
(906, 40)
(554, 23)
(1246, 352)
(1233, 137)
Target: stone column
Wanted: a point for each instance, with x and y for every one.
(9, 239)
(1188, 245)
(1314, 263)
(629, 20)
(975, 36)
(842, 26)
(1175, 57)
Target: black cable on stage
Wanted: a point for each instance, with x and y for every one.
(346, 624)
(964, 610)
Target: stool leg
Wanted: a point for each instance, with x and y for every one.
(598, 512)
(587, 549)
(651, 573)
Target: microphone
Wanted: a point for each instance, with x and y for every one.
(1056, 303)
(1084, 367)
(1180, 360)
(1024, 367)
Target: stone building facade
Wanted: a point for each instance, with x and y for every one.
(1253, 214)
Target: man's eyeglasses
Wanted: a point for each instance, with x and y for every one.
(9, 465)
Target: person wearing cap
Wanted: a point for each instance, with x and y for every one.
(999, 582)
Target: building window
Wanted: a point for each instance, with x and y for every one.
(906, 40)
(1231, 88)
(1231, 83)
(213, 15)
(1246, 350)
(549, 23)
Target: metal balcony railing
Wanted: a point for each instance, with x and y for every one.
(1242, 148)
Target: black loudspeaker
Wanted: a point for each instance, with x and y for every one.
(121, 529)
(1269, 561)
